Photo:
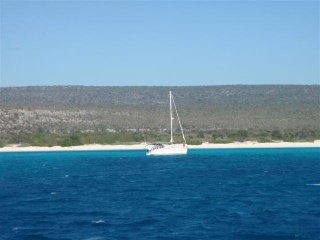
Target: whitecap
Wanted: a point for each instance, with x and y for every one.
(313, 184)
(66, 175)
(53, 193)
(98, 221)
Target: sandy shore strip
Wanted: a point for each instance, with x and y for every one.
(250, 144)
(91, 147)
(97, 147)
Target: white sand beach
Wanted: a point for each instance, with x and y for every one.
(97, 147)
(250, 144)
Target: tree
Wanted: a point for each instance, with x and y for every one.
(200, 134)
(241, 135)
(276, 135)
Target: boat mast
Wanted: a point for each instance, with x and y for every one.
(171, 118)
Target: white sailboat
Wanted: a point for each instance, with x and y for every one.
(170, 148)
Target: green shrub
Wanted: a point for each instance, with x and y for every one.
(276, 135)
(194, 142)
(70, 140)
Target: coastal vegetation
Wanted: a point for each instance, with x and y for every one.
(193, 137)
(76, 115)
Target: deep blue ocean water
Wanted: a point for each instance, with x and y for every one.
(208, 194)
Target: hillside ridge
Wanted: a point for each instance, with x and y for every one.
(195, 96)
(67, 109)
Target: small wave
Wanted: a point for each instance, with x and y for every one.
(151, 198)
(79, 223)
(144, 222)
(266, 210)
(269, 236)
(95, 238)
(98, 221)
(313, 184)
(35, 237)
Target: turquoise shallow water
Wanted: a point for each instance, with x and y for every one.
(208, 194)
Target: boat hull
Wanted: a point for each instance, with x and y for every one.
(166, 151)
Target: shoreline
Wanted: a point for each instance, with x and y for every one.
(141, 146)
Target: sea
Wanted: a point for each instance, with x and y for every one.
(207, 194)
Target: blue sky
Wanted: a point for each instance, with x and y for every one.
(159, 43)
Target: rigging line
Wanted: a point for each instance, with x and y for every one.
(174, 104)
